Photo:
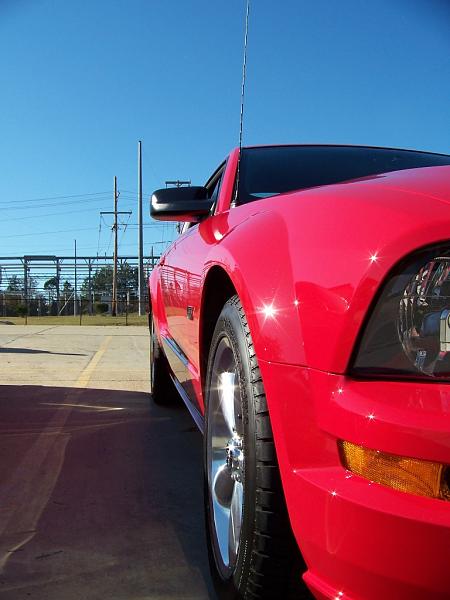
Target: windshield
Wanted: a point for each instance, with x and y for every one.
(268, 171)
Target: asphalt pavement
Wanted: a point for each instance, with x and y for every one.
(100, 490)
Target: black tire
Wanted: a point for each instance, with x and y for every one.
(267, 563)
(162, 388)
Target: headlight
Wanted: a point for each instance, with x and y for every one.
(408, 332)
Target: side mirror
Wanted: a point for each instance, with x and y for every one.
(180, 204)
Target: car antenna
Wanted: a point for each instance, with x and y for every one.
(241, 120)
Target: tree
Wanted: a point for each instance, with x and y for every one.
(66, 303)
(101, 280)
(14, 295)
(127, 278)
(51, 286)
(22, 310)
(15, 285)
(32, 286)
(67, 288)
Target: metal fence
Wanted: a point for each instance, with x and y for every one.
(34, 310)
(43, 286)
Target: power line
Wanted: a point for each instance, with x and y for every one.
(109, 243)
(125, 225)
(91, 201)
(99, 233)
(66, 212)
(6, 205)
(47, 232)
(59, 197)
(103, 251)
(134, 193)
(160, 227)
(43, 215)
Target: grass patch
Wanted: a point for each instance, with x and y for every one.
(133, 319)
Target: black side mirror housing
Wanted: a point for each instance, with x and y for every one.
(187, 204)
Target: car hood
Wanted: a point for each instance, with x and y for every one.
(430, 182)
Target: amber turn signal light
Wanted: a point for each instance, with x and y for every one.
(420, 477)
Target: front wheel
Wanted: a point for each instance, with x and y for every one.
(252, 550)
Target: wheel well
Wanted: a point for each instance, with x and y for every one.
(217, 289)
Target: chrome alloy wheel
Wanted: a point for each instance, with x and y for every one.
(225, 454)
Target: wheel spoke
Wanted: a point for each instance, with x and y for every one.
(223, 486)
(234, 529)
(226, 399)
(225, 454)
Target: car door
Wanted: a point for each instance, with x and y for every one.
(181, 280)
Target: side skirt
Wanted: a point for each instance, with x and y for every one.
(178, 362)
(195, 413)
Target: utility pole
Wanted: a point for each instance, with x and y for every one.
(140, 233)
(25, 281)
(91, 306)
(114, 281)
(58, 277)
(115, 228)
(75, 288)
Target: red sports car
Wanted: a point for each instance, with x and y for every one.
(303, 315)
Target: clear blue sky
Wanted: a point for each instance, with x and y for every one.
(81, 82)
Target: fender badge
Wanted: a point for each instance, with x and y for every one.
(190, 313)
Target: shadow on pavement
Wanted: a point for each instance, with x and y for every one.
(9, 350)
(100, 496)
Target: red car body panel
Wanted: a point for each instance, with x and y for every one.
(359, 538)
(317, 258)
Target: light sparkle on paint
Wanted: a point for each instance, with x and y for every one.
(269, 311)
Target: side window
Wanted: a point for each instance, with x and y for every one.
(214, 192)
(214, 188)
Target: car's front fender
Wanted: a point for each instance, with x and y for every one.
(307, 268)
